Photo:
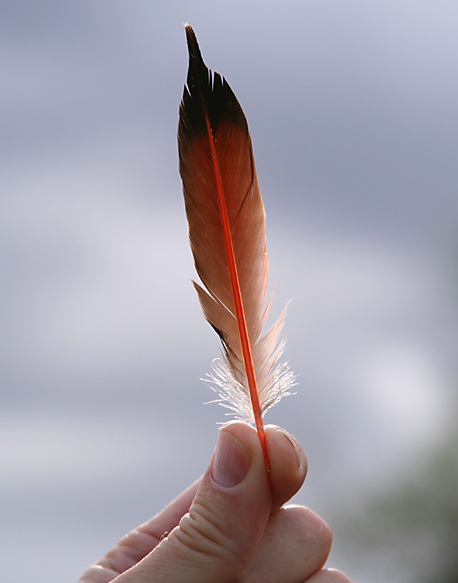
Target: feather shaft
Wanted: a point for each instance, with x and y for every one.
(226, 223)
(240, 313)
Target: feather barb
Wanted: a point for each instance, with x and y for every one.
(226, 222)
(240, 313)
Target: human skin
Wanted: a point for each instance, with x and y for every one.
(231, 525)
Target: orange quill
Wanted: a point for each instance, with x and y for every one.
(226, 222)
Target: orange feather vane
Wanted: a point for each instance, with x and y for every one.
(226, 222)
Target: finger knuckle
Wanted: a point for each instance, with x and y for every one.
(201, 530)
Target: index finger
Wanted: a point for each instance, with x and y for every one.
(288, 465)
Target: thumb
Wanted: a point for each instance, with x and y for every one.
(226, 520)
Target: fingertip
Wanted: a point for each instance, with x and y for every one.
(247, 436)
(301, 459)
(231, 460)
(288, 464)
(242, 431)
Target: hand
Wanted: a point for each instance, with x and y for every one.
(229, 526)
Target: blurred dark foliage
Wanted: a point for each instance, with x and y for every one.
(413, 527)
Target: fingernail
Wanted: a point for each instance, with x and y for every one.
(231, 460)
(300, 455)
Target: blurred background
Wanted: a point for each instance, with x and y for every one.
(352, 108)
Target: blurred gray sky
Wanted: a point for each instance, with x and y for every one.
(352, 111)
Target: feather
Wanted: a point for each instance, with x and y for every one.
(226, 222)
